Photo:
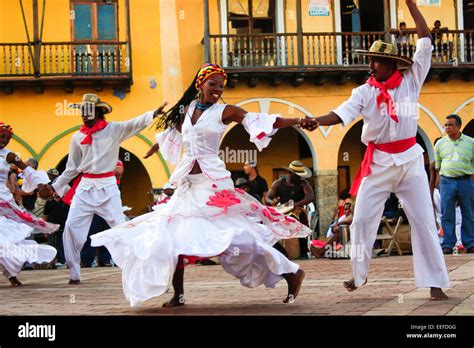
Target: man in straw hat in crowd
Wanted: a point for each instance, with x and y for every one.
(93, 154)
(393, 161)
(297, 189)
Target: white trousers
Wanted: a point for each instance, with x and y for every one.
(410, 183)
(437, 205)
(106, 203)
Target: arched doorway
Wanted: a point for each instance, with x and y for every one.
(352, 151)
(288, 144)
(469, 129)
(135, 186)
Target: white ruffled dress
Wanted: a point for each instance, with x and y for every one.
(205, 217)
(16, 224)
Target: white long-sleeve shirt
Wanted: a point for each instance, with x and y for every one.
(101, 156)
(378, 127)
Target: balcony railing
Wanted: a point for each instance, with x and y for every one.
(65, 59)
(450, 47)
(328, 50)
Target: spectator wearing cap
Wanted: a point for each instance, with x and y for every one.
(257, 185)
(167, 193)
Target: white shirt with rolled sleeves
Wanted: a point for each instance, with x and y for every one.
(402, 173)
(94, 196)
(100, 156)
(378, 127)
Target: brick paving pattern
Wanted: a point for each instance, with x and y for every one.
(210, 291)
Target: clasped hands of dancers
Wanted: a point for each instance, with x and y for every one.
(208, 217)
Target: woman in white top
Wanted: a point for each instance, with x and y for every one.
(15, 223)
(206, 216)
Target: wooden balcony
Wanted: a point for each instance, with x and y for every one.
(65, 63)
(322, 56)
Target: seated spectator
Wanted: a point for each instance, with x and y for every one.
(391, 210)
(335, 236)
(243, 184)
(344, 197)
(402, 40)
(167, 192)
(440, 48)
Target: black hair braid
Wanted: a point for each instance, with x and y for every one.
(173, 116)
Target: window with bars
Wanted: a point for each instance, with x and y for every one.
(95, 25)
(248, 21)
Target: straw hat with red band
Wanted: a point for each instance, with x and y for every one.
(6, 128)
(385, 50)
(208, 70)
(94, 101)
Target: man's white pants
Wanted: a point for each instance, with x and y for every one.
(409, 182)
(106, 203)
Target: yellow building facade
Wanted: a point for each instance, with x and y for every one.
(305, 70)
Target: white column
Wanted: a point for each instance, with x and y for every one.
(223, 19)
(460, 20)
(393, 16)
(338, 29)
(170, 54)
(280, 28)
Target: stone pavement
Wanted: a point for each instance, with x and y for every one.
(210, 291)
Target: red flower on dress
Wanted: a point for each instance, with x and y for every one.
(223, 199)
(261, 136)
(214, 186)
(239, 190)
(24, 216)
(268, 214)
(254, 206)
(273, 211)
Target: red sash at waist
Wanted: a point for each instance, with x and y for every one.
(70, 194)
(393, 147)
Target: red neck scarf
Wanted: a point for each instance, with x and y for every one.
(393, 81)
(99, 125)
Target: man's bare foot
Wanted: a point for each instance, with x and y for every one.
(14, 282)
(294, 286)
(176, 301)
(74, 281)
(350, 285)
(437, 294)
(317, 252)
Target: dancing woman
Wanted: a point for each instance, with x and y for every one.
(206, 216)
(16, 224)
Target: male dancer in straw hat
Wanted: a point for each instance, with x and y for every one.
(393, 161)
(93, 154)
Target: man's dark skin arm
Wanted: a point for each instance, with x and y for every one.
(329, 119)
(271, 197)
(422, 29)
(308, 194)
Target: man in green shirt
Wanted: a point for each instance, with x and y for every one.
(455, 162)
